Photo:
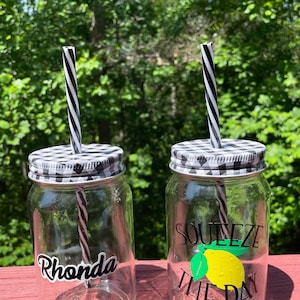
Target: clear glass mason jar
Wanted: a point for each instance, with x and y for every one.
(217, 208)
(82, 252)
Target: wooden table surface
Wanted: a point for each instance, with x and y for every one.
(283, 280)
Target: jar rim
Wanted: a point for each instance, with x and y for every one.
(218, 177)
(85, 184)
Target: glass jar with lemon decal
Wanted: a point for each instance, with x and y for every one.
(217, 207)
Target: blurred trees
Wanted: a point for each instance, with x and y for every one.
(140, 86)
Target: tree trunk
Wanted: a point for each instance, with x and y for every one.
(97, 35)
(104, 131)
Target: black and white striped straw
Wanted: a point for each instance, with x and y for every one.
(75, 141)
(213, 125)
(82, 225)
(211, 94)
(71, 93)
(223, 214)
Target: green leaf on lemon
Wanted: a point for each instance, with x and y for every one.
(236, 248)
(198, 266)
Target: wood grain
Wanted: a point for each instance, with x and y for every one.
(283, 280)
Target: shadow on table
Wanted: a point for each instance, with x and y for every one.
(280, 286)
(152, 282)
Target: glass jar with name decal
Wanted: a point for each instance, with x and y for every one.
(217, 207)
(82, 223)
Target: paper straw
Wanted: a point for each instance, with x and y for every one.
(75, 141)
(213, 125)
(211, 94)
(71, 93)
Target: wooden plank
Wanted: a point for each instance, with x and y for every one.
(151, 280)
(283, 277)
(17, 283)
(283, 280)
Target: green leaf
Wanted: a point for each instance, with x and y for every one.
(198, 266)
(42, 125)
(24, 127)
(13, 141)
(4, 124)
(5, 78)
(250, 8)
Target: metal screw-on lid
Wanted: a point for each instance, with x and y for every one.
(236, 157)
(59, 165)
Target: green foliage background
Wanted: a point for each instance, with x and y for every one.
(140, 87)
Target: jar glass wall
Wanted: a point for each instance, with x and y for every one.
(194, 236)
(217, 221)
(110, 222)
(81, 215)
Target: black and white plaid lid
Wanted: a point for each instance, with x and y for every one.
(236, 157)
(59, 165)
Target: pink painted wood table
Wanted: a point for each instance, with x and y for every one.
(283, 280)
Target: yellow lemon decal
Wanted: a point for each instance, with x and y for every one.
(224, 269)
(220, 264)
